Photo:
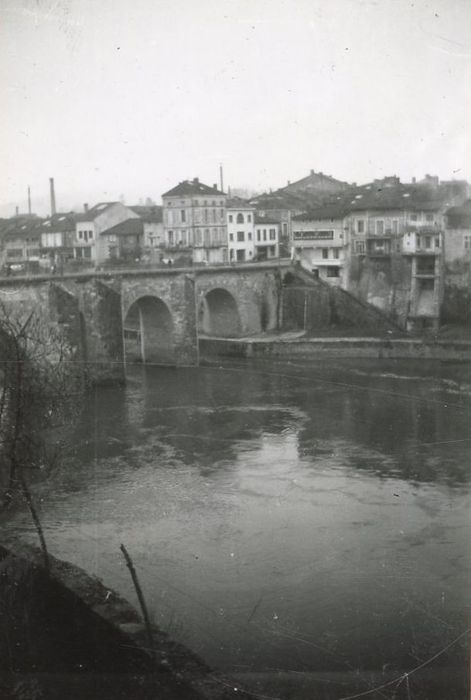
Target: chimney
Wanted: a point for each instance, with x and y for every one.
(196, 180)
(53, 196)
(215, 185)
(29, 200)
(289, 183)
(17, 211)
(414, 180)
(312, 172)
(221, 178)
(85, 207)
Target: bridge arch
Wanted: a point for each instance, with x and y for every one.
(218, 314)
(149, 334)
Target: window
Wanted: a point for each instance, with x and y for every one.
(240, 219)
(428, 285)
(183, 238)
(413, 217)
(360, 247)
(264, 234)
(240, 236)
(231, 236)
(429, 217)
(170, 237)
(380, 228)
(360, 226)
(395, 226)
(259, 235)
(230, 218)
(183, 216)
(467, 241)
(336, 253)
(333, 272)
(271, 251)
(240, 255)
(249, 217)
(249, 236)
(428, 241)
(325, 253)
(285, 229)
(437, 241)
(272, 234)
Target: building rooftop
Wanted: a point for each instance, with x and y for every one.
(59, 223)
(20, 227)
(149, 214)
(192, 187)
(125, 228)
(95, 211)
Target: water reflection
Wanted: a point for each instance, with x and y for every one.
(304, 518)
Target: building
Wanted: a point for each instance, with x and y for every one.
(240, 231)
(123, 241)
(21, 243)
(194, 218)
(153, 241)
(320, 243)
(57, 240)
(280, 206)
(457, 243)
(267, 238)
(316, 186)
(396, 248)
(88, 245)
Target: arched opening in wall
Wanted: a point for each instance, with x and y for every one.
(149, 332)
(218, 315)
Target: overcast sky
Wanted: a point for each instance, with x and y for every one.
(117, 97)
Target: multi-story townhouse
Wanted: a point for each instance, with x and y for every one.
(399, 228)
(21, 243)
(194, 217)
(267, 238)
(457, 235)
(88, 245)
(153, 231)
(320, 243)
(240, 231)
(57, 239)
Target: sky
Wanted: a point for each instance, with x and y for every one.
(115, 98)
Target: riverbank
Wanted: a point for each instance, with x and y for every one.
(298, 345)
(67, 635)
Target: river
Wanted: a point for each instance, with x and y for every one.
(305, 517)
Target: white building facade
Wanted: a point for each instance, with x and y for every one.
(241, 233)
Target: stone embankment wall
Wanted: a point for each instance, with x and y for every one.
(311, 305)
(327, 348)
(456, 307)
(384, 283)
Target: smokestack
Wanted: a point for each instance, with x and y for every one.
(29, 200)
(221, 178)
(17, 211)
(53, 196)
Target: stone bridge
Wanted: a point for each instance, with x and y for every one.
(152, 316)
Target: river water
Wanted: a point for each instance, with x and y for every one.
(304, 517)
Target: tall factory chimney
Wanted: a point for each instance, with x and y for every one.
(221, 178)
(29, 200)
(53, 196)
